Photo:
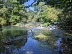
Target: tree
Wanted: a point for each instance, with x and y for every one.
(65, 17)
(46, 13)
(52, 13)
(30, 15)
(12, 11)
(22, 1)
(66, 20)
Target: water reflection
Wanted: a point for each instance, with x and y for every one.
(15, 42)
(9, 49)
(11, 40)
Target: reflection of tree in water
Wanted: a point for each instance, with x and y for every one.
(10, 40)
(9, 47)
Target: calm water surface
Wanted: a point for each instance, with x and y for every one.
(24, 44)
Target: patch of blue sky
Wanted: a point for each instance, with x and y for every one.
(29, 3)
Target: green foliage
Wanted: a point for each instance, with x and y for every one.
(22, 13)
(52, 13)
(46, 13)
(2, 21)
(22, 1)
(21, 7)
(15, 10)
(24, 20)
(1, 3)
(12, 12)
(3, 10)
(14, 19)
(65, 19)
(3, 18)
(46, 24)
(39, 12)
(30, 15)
(15, 1)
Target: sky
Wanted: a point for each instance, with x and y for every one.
(29, 3)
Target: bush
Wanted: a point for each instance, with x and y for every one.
(2, 21)
(46, 24)
(14, 19)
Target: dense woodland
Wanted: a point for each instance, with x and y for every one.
(45, 11)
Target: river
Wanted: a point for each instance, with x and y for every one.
(26, 44)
